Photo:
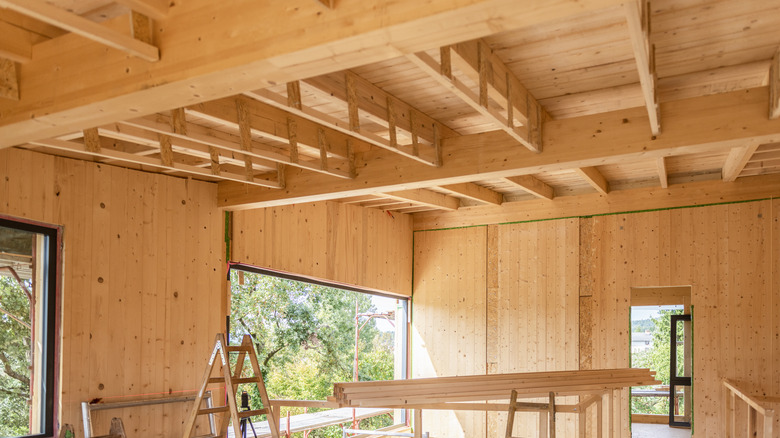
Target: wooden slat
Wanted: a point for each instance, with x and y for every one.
(737, 159)
(45, 12)
(532, 185)
(637, 17)
(594, 178)
(774, 87)
(9, 80)
(662, 174)
(294, 95)
(92, 140)
(166, 151)
(475, 192)
(426, 197)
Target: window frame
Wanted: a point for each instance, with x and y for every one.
(52, 306)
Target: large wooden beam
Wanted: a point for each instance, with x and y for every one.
(621, 201)
(215, 49)
(663, 176)
(774, 87)
(594, 178)
(156, 9)
(426, 197)
(638, 18)
(9, 80)
(63, 19)
(695, 126)
(475, 193)
(16, 43)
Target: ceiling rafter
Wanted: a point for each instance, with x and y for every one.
(16, 44)
(774, 86)
(737, 159)
(593, 177)
(532, 185)
(63, 19)
(638, 19)
(500, 97)
(426, 197)
(9, 80)
(663, 176)
(97, 151)
(475, 192)
(155, 9)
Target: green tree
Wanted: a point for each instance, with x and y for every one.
(304, 337)
(15, 342)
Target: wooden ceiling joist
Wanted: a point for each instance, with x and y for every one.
(774, 86)
(9, 80)
(426, 197)
(155, 9)
(700, 126)
(638, 18)
(328, 146)
(92, 150)
(663, 177)
(737, 159)
(475, 192)
(593, 177)
(532, 185)
(16, 43)
(63, 19)
(521, 116)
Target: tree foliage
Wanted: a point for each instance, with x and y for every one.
(15, 343)
(304, 337)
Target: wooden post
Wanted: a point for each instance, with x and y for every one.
(510, 419)
(418, 423)
(751, 422)
(599, 411)
(728, 412)
(543, 422)
(769, 419)
(552, 415)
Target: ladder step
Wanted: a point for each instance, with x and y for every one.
(205, 411)
(236, 381)
(239, 348)
(244, 414)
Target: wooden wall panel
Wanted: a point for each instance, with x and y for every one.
(727, 254)
(330, 241)
(449, 318)
(538, 301)
(142, 268)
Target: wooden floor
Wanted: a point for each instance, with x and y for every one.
(641, 430)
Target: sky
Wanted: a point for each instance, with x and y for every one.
(647, 312)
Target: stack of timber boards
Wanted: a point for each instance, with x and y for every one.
(419, 392)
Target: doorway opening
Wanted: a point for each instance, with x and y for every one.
(661, 339)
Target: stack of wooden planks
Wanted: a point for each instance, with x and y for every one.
(420, 392)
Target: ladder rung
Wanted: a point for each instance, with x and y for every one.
(244, 414)
(235, 348)
(236, 380)
(205, 411)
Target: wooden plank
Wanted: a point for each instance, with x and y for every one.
(294, 95)
(689, 194)
(532, 185)
(427, 197)
(156, 9)
(475, 193)
(697, 125)
(9, 80)
(593, 177)
(47, 13)
(166, 151)
(737, 159)
(92, 140)
(637, 18)
(142, 27)
(16, 44)
(662, 173)
(774, 87)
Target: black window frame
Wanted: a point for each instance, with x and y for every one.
(52, 316)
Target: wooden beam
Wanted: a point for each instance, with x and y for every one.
(594, 178)
(662, 174)
(53, 15)
(774, 86)
(736, 160)
(620, 201)
(16, 43)
(426, 197)
(154, 162)
(638, 28)
(475, 193)
(699, 125)
(156, 9)
(532, 185)
(355, 33)
(9, 80)
(471, 56)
